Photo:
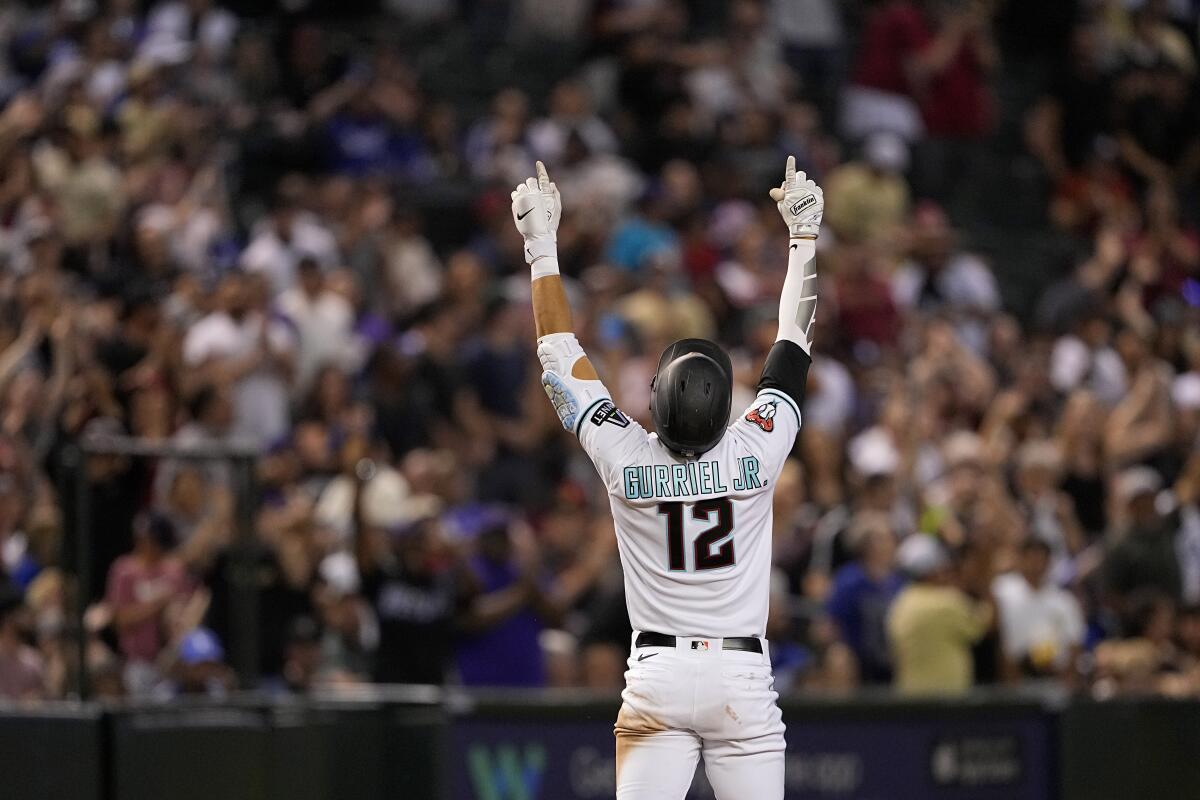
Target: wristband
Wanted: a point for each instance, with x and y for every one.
(542, 257)
(542, 267)
(540, 248)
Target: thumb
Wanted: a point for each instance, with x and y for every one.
(777, 194)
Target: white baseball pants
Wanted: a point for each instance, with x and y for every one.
(697, 699)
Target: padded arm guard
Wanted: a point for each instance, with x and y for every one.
(572, 397)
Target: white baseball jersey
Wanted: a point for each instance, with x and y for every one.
(694, 534)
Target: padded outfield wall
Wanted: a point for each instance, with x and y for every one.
(423, 744)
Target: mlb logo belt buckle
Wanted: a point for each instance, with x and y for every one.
(700, 644)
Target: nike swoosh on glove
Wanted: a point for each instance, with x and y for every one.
(537, 207)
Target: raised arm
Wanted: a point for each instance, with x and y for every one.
(537, 208)
(801, 203)
(770, 425)
(569, 378)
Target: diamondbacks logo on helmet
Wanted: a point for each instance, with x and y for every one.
(764, 415)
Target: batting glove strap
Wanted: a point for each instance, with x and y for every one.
(540, 248)
(542, 257)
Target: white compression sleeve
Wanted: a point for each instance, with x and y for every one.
(798, 301)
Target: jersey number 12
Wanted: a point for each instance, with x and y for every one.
(704, 555)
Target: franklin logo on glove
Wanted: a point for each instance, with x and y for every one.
(803, 204)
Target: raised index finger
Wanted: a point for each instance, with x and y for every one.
(543, 178)
(789, 173)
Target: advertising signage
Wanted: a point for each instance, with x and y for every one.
(968, 755)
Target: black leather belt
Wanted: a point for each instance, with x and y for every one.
(751, 644)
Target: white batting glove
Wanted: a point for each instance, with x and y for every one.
(801, 202)
(537, 209)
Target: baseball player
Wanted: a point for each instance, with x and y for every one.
(692, 505)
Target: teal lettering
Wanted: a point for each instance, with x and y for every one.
(645, 476)
(662, 480)
(631, 483)
(717, 485)
(679, 474)
(752, 467)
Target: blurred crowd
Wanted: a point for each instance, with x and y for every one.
(249, 226)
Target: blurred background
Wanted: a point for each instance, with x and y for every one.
(271, 434)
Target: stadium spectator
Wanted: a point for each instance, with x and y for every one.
(868, 199)
(1187, 634)
(292, 233)
(347, 631)
(922, 68)
(933, 624)
(324, 321)
(939, 277)
(286, 236)
(145, 588)
(1063, 127)
(501, 645)
(200, 668)
(813, 36)
(1144, 556)
(301, 657)
(239, 344)
(1048, 513)
(1041, 625)
(21, 667)
(571, 115)
(416, 594)
(862, 592)
(1145, 659)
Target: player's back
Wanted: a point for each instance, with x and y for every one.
(694, 534)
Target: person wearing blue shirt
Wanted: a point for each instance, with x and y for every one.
(501, 646)
(863, 591)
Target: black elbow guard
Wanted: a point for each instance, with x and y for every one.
(786, 370)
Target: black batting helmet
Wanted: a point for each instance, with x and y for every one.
(691, 394)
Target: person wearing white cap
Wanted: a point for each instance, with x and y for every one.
(933, 624)
(868, 199)
(349, 628)
(1144, 554)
